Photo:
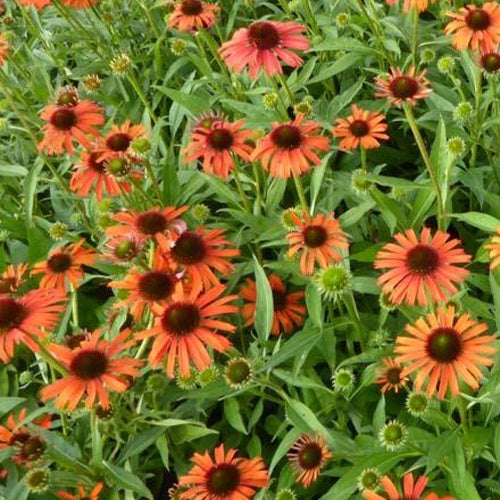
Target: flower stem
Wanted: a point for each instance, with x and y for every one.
(362, 154)
(239, 185)
(414, 37)
(288, 91)
(74, 306)
(138, 90)
(300, 191)
(48, 358)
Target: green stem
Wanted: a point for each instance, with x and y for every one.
(96, 441)
(300, 191)
(414, 37)
(256, 174)
(154, 180)
(239, 185)
(427, 161)
(310, 16)
(288, 91)
(48, 358)
(362, 154)
(74, 306)
(138, 90)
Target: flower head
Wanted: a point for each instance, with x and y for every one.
(118, 141)
(238, 372)
(289, 310)
(94, 494)
(401, 87)
(393, 435)
(494, 250)
(263, 45)
(228, 477)
(290, 149)
(38, 480)
(333, 282)
(343, 380)
(4, 48)
(489, 60)
(65, 265)
(38, 4)
(369, 479)
(122, 249)
(12, 278)
(362, 128)
(445, 349)
(477, 28)
(389, 377)
(186, 326)
(79, 4)
(420, 269)
(192, 15)
(307, 457)
(417, 403)
(420, 5)
(319, 238)
(93, 369)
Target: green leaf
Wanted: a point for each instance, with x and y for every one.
(341, 64)
(13, 170)
(496, 444)
(126, 480)
(141, 442)
(195, 105)
(264, 307)
(485, 222)
(8, 403)
(390, 210)
(233, 415)
(162, 446)
(314, 305)
(379, 416)
(440, 448)
(30, 185)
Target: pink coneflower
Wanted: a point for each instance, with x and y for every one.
(264, 44)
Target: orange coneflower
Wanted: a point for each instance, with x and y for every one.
(290, 149)
(28, 446)
(390, 376)
(191, 15)
(289, 312)
(153, 223)
(200, 253)
(82, 495)
(119, 139)
(318, 238)
(446, 349)
(65, 265)
(12, 278)
(26, 318)
(79, 4)
(494, 250)
(264, 44)
(401, 87)
(93, 369)
(418, 268)
(38, 4)
(489, 60)
(122, 249)
(4, 48)
(226, 478)
(474, 27)
(216, 144)
(186, 326)
(145, 288)
(307, 457)
(420, 5)
(411, 490)
(68, 119)
(101, 175)
(361, 128)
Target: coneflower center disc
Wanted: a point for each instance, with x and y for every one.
(19, 438)
(181, 318)
(444, 345)
(220, 139)
(286, 137)
(191, 7)
(422, 259)
(310, 456)
(155, 285)
(223, 479)
(93, 164)
(59, 262)
(264, 35)
(359, 128)
(238, 371)
(314, 236)
(126, 249)
(393, 375)
(279, 300)
(32, 448)
(12, 313)
(64, 118)
(404, 87)
(189, 249)
(74, 341)
(151, 223)
(118, 142)
(491, 62)
(89, 364)
(478, 20)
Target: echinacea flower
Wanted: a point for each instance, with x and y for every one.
(489, 60)
(154, 223)
(82, 495)
(27, 319)
(27, 444)
(65, 265)
(119, 139)
(420, 269)
(477, 28)
(79, 4)
(263, 45)
(191, 15)
(401, 87)
(307, 457)
(445, 349)
(412, 490)
(289, 310)
(12, 278)
(4, 48)
(389, 377)
(92, 174)
(227, 477)
(93, 369)
(122, 249)
(361, 128)
(186, 326)
(290, 148)
(199, 253)
(215, 146)
(420, 5)
(38, 4)
(319, 238)
(147, 287)
(68, 121)
(494, 250)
